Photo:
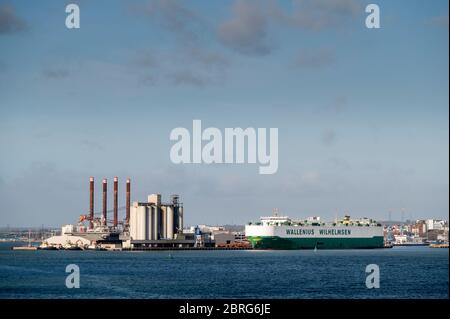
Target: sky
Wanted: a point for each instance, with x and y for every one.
(362, 114)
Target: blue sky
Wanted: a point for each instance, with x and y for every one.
(362, 114)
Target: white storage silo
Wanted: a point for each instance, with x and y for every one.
(149, 213)
(142, 223)
(133, 223)
(169, 224)
(156, 222)
(164, 222)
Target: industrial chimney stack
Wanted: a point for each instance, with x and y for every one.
(115, 200)
(128, 202)
(91, 202)
(104, 216)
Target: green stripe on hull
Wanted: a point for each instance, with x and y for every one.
(320, 243)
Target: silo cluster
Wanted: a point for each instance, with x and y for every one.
(154, 220)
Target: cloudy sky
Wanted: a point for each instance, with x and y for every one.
(362, 114)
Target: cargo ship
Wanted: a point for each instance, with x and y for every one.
(281, 232)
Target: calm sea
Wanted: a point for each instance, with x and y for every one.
(405, 272)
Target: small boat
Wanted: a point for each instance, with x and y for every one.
(95, 247)
(439, 245)
(46, 246)
(71, 247)
(24, 248)
(29, 247)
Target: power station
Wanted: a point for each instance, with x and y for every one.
(146, 225)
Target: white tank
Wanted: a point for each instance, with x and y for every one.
(142, 223)
(164, 222)
(149, 212)
(155, 222)
(169, 224)
(67, 229)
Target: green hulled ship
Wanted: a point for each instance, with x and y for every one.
(281, 232)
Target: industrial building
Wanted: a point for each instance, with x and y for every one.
(154, 220)
(154, 224)
(146, 225)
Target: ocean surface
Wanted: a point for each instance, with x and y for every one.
(405, 272)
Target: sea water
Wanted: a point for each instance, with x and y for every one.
(405, 272)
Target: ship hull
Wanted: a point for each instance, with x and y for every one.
(274, 242)
(314, 237)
